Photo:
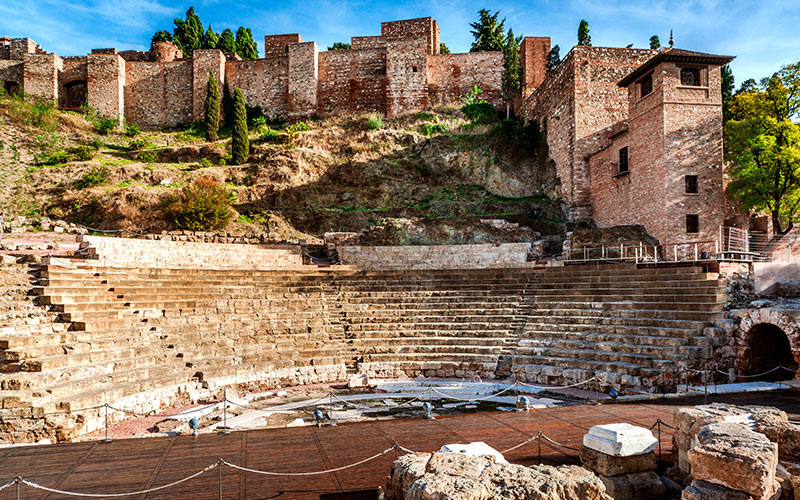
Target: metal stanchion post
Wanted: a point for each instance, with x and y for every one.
(539, 435)
(220, 481)
(106, 439)
(658, 422)
(225, 429)
(18, 480)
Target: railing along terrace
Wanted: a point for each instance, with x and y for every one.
(640, 252)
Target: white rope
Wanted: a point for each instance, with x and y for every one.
(521, 444)
(490, 396)
(130, 493)
(403, 448)
(560, 387)
(337, 469)
(8, 484)
(559, 444)
(758, 374)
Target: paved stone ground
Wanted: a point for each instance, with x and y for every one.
(127, 465)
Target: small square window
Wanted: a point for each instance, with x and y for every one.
(690, 77)
(692, 223)
(623, 160)
(691, 184)
(413, 69)
(646, 85)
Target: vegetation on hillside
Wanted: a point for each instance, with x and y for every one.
(189, 35)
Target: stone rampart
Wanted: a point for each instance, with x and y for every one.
(180, 254)
(435, 256)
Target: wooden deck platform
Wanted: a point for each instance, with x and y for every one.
(129, 465)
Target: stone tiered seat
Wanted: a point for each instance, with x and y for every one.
(127, 331)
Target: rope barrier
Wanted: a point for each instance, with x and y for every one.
(328, 471)
(490, 396)
(559, 444)
(8, 484)
(130, 493)
(779, 367)
(561, 387)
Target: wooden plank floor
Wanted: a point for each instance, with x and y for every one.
(129, 465)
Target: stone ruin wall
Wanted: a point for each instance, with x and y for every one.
(435, 256)
(579, 99)
(397, 72)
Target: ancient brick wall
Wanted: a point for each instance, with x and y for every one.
(303, 79)
(159, 94)
(406, 76)
(533, 57)
(12, 71)
(424, 29)
(203, 63)
(264, 83)
(107, 84)
(578, 99)
(179, 254)
(73, 81)
(451, 76)
(41, 75)
(277, 45)
(367, 42)
(435, 256)
(352, 81)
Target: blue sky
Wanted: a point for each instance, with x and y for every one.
(763, 37)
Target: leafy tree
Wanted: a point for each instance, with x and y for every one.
(655, 43)
(763, 146)
(245, 45)
(583, 34)
(211, 39)
(489, 35)
(443, 49)
(512, 69)
(204, 205)
(240, 143)
(227, 42)
(339, 46)
(227, 105)
(188, 33)
(553, 58)
(726, 77)
(162, 36)
(212, 108)
(748, 85)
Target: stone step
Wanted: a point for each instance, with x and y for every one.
(632, 369)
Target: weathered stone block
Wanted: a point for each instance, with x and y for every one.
(610, 465)
(633, 486)
(620, 439)
(701, 490)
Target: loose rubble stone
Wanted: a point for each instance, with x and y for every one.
(701, 490)
(786, 434)
(735, 457)
(633, 486)
(454, 476)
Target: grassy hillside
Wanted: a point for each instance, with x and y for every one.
(427, 177)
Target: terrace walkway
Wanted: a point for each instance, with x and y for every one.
(128, 465)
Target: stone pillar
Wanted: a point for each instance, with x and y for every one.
(41, 75)
(533, 56)
(406, 76)
(106, 83)
(203, 62)
(303, 79)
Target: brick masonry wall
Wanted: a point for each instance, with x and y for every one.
(435, 256)
(159, 94)
(264, 82)
(203, 62)
(406, 76)
(12, 71)
(275, 45)
(576, 101)
(367, 42)
(424, 29)
(533, 57)
(451, 76)
(303, 79)
(180, 254)
(41, 75)
(352, 80)
(75, 69)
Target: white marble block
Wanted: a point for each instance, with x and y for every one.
(620, 440)
(476, 449)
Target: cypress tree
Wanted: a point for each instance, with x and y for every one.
(211, 40)
(240, 143)
(583, 34)
(227, 105)
(655, 43)
(212, 108)
(227, 42)
(245, 46)
(553, 58)
(512, 69)
(488, 34)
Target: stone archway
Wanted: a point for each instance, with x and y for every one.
(11, 88)
(76, 94)
(768, 338)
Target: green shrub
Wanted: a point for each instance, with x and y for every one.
(298, 127)
(82, 153)
(105, 126)
(94, 177)
(269, 135)
(374, 122)
(204, 205)
(433, 128)
(240, 141)
(260, 121)
(480, 112)
(146, 156)
(96, 143)
(132, 130)
(56, 157)
(473, 97)
(141, 143)
(427, 116)
(33, 111)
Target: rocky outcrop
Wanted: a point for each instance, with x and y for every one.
(454, 476)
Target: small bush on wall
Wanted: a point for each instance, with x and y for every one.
(204, 205)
